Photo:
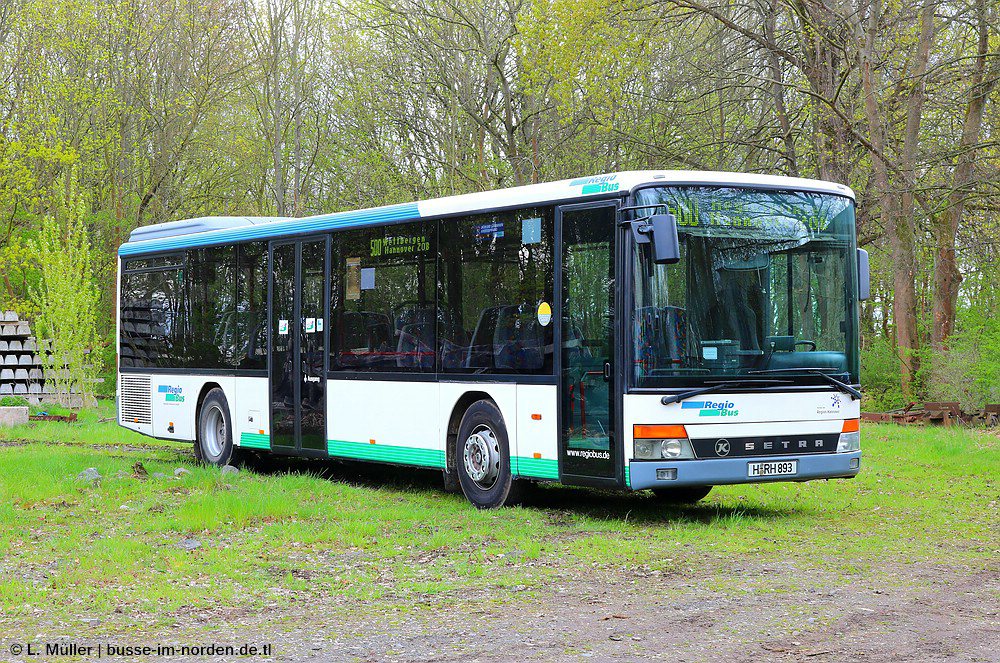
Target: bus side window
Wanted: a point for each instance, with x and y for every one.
(495, 288)
(382, 299)
(251, 305)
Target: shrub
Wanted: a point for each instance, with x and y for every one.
(880, 375)
(67, 300)
(13, 401)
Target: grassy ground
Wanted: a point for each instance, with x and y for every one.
(135, 551)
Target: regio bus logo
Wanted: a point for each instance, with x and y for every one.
(171, 394)
(712, 408)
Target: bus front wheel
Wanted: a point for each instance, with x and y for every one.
(682, 495)
(482, 458)
(215, 431)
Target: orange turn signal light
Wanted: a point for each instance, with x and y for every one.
(649, 432)
(851, 426)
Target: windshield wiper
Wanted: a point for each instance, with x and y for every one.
(822, 372)
(718, 386)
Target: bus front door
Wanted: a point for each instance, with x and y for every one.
(587, 443)
(298, 346)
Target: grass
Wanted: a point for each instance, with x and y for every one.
(370, 539)
(95, 426)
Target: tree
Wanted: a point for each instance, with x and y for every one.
(67, 298)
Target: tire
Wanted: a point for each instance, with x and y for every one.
(682, 495)
(214, 445)
(482, 458)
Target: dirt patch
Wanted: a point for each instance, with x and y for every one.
(918, 612)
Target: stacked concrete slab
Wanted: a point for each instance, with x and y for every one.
(21, 361)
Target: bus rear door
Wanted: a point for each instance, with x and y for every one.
(299, 312)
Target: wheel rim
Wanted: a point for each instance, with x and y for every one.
(482, 457)
(214, 432)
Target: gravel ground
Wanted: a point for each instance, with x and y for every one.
(917, 612)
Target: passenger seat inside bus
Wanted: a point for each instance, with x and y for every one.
(415, 348)
(518, 341)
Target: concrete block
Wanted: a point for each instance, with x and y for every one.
(8, 316)
(15, 345)
(13, 416)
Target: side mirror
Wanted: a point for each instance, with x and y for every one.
(664, 242)
(864, 276)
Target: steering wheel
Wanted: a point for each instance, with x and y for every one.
(811, 344)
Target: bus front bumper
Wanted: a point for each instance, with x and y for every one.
(717, 472)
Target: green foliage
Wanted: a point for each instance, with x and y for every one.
(13, 401)
(182, 109)
(67, 298)
(968, 369)
(880, 369)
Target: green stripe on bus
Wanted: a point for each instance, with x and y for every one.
(535, 468)
(255, 441)
(386, 453)
(628, 478)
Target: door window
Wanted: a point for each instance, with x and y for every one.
(588, 284)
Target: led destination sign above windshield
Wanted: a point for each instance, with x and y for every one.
(772, 212)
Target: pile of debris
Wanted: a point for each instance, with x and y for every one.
(942, 413)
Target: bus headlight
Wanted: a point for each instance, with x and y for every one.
(671, 448)
(850, 436)
(645, 449)
(656, 442)
(849, 442)
(658, 449)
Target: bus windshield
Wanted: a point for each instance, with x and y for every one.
(766, 284)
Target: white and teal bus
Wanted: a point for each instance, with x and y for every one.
(660, 330)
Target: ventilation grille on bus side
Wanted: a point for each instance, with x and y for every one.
(135, 401)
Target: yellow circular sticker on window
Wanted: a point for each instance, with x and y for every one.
(544, 314)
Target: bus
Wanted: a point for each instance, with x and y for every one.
(657, 330)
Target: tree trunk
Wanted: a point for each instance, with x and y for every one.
(947, 276)
(902, 225)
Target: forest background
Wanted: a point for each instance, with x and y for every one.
(120, 113)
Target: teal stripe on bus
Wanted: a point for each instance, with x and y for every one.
(386, 453)
(535, 468)
(255, 441)
(303, 226)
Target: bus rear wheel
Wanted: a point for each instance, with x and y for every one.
(482, 458)
(682, 495)
(215, 431)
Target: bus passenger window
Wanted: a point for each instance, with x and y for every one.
(251, 305)
(382, 299)
(495, 293)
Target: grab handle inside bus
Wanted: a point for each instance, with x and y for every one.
(665, 244)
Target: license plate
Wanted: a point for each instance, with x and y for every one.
(776, 468)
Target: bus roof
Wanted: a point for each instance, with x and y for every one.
(214, 230)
